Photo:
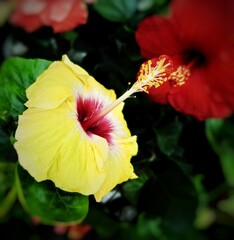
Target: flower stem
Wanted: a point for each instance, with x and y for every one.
(8, 202)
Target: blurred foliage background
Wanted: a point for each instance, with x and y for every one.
(185, 188)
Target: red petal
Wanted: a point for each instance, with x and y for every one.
(160, 95)
(221, 77)
(78, 15)
(28, 22)
(196, 98)
(27, 14)
(157, 35)
(208, 25)
(68, 18)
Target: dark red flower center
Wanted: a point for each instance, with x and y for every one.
(87, 108)
(194, 58)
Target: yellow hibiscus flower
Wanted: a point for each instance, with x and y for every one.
(55, 141)
(73, 131)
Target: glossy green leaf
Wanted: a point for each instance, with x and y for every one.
(103, 224)
(168, 136)
(116, 11)
(50, 204)
(172, 196)
(220, 134)
(132, 188)
(16, 75)
(151, 230)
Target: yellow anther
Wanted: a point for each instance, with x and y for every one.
(180, 76)
(152, 73)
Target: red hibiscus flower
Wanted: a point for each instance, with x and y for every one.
(59, 14)
(199, 37)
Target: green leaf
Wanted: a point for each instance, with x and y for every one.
(172, 196)
(220, 134)
(116, 11)
(50, 204)
(205, 216)
(131, 188)
(151, 230)
(152, 5)
(103, 224)
(7, 187)
(168, 136)
(16, 75)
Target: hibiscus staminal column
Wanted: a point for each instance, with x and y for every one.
(154, 72)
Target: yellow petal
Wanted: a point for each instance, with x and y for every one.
(123, 147)
(80, 165)
(52, 145)
(119, 168)
(79, 72)
(50, 89)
